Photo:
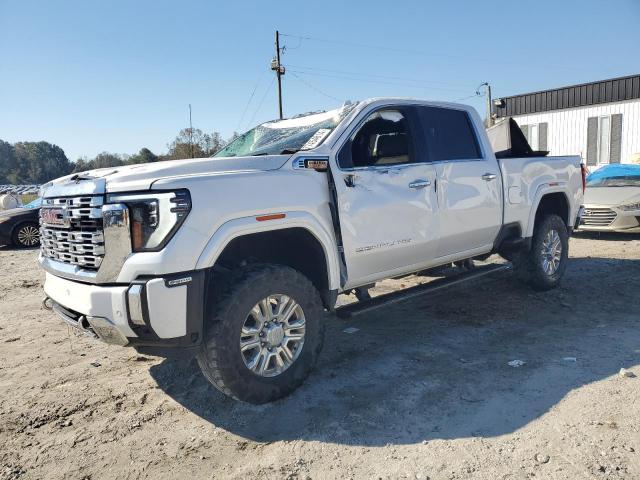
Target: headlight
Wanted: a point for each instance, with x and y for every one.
(155, 217)
(631, 206)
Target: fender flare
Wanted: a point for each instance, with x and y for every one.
(546, 189)
(238, 227)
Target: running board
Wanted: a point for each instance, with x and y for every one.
(358, 308)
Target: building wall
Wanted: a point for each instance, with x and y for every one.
(567, 129)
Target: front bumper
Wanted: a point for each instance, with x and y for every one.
(608, 218)
(163, 311)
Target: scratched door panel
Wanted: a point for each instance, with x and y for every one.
(386, 224)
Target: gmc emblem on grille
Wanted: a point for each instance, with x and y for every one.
(52, 216)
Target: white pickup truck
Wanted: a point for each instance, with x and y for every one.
(237, 257)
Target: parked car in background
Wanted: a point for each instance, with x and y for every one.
(19, 226)
(612, 199)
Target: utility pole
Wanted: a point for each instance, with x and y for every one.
(489, 107)
(190, 132)
(279, 69)
(489, 122)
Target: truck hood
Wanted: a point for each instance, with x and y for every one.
(142, 176)
(611, 195)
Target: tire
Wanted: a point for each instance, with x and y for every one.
(233, 314)
(535, 266)
(26, 235)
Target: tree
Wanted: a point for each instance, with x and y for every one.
(190, 143)
(32, 162)
(143, 156)
(217, 143)
(39, 162)
(194, 143)
(7, 162)
(102, 160)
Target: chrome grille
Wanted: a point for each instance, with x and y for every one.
(71, 230)
(598, 217)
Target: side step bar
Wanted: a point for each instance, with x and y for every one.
(358, 308)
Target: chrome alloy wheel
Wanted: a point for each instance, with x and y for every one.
(551, 252)
(272, 335)
(28, 236)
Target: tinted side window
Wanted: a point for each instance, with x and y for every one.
(448, 134)
(383, 139)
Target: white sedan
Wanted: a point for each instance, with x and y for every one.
(612, 200)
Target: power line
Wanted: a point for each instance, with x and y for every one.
(468, 85)
(423, 54)
(244, 112)
(314, 87)
(266, 92)
(384, 82)
(352, 44)
(465, 98)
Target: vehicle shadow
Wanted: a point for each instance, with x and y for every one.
(607, 236)
(12, 248)
(436, 367)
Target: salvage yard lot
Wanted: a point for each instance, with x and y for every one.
(422, 389)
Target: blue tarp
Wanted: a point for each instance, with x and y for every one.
(617, 170)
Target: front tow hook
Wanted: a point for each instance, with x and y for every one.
(47, 303)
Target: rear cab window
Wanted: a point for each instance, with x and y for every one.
(448, 134)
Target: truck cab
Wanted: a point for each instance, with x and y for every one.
(237, 258)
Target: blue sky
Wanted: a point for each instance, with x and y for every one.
(118, 75)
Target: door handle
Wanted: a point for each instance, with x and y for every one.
(487, 177)
(419, 184)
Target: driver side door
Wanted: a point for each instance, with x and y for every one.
(386, 199)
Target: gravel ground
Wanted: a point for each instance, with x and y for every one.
(421, 390)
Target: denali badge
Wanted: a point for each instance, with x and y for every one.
(318, 164)
(178, 281)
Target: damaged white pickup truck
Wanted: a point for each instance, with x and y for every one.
(236, 257)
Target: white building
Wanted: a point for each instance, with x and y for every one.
(599, 121)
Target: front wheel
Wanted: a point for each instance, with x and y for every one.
(543, 266)
(263, 335)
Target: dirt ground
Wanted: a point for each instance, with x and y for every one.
(421, 390)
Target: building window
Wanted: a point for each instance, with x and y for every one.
(536, 135)
(533, 136)
(604, 139)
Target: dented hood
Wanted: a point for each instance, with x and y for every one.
(142, 176)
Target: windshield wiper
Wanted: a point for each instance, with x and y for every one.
(289, 151)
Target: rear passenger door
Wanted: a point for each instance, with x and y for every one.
(469, 184)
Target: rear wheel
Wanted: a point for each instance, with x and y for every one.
(264, 334)
(543, 266)
(26, 235)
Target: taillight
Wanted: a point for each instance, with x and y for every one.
(583, 170)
